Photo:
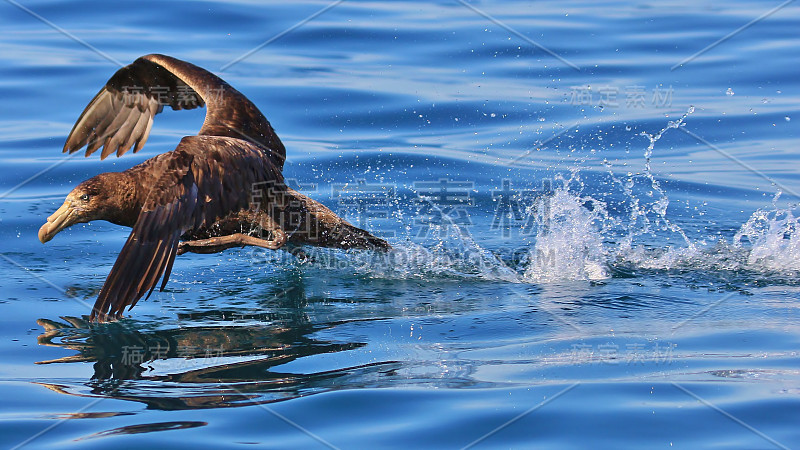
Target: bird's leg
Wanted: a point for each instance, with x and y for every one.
(220, 243)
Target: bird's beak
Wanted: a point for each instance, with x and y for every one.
(57, 222)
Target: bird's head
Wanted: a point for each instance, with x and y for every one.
(88, 201)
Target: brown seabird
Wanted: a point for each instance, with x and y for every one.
(219, 189)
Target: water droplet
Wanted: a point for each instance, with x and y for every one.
(729, 92)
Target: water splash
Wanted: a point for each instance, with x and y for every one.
(587, 231)
(774, 237)
(569, 238)
(646, 218)
(457, 256)
(454, 255)
(661, 204)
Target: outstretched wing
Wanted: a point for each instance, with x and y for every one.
(121, 115)
(152, 245)
(203, 179)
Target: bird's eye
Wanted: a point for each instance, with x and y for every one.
(85, 197)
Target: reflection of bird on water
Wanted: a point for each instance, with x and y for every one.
(203, 367)
(201, 193)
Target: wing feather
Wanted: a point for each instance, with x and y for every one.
(135, 134)
(122, 113)
(146, 133)
(115, 130)
(100, 110)
(125, 133)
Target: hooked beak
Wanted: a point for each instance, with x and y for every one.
(56, 222)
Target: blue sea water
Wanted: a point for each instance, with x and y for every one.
(593, 208)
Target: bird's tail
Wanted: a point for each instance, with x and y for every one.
(308, 222)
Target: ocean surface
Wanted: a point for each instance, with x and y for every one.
(593, 207)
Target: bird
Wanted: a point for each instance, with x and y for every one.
(218, 189)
